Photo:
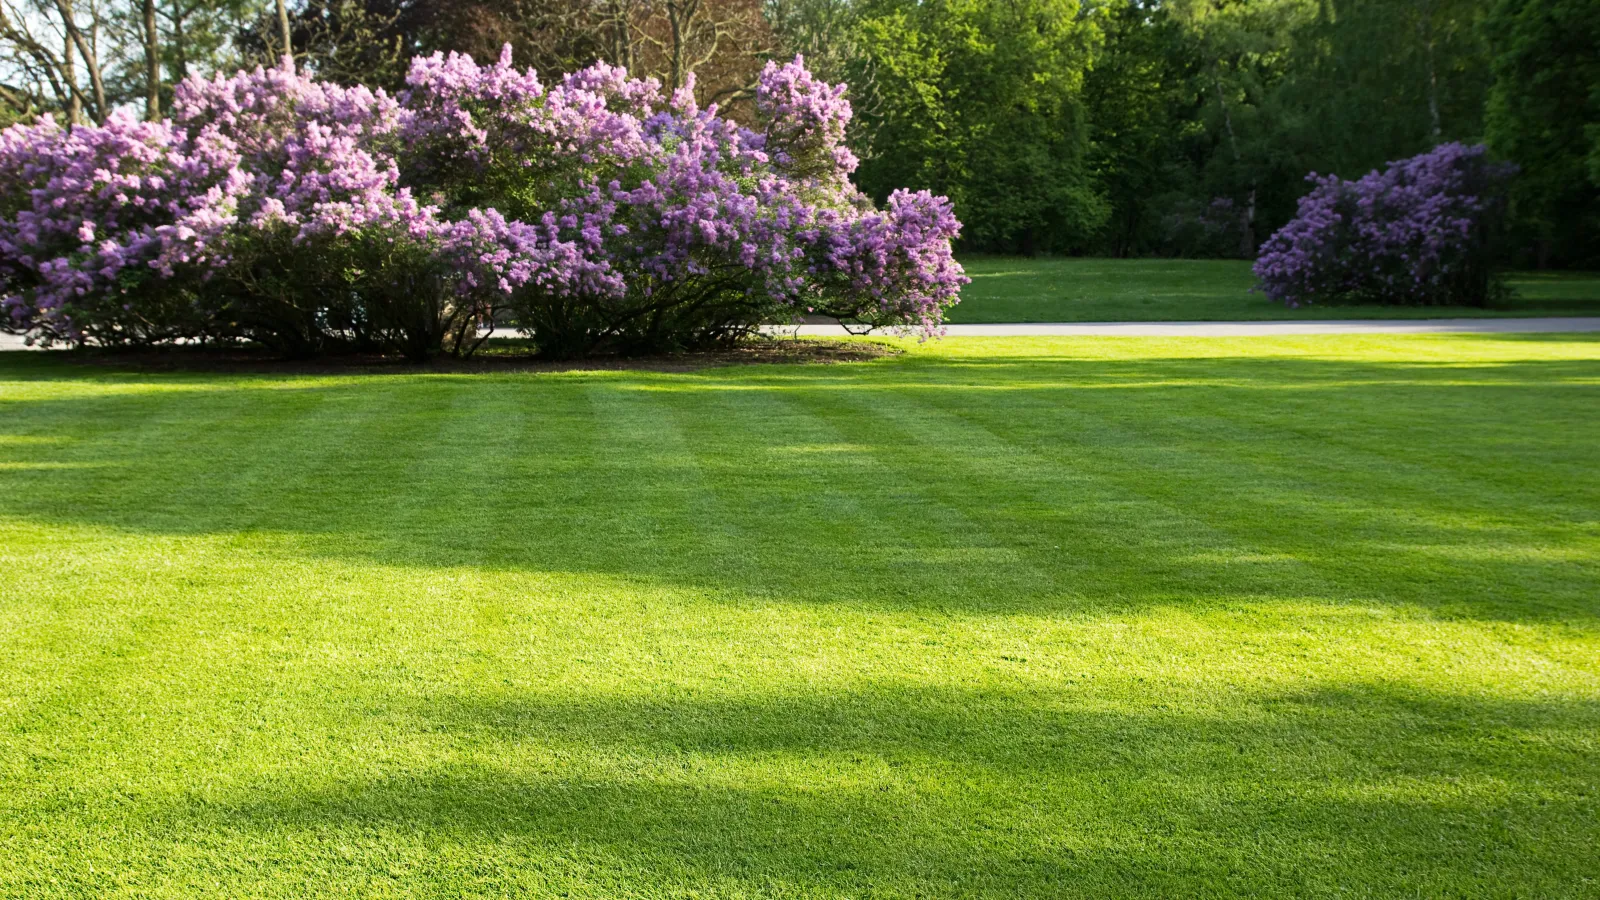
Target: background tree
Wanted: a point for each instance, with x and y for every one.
(1371, 81)
(1544, 115)
(984, 102)
(52, 50)
(1121, 127)
(200, 35)
(1241, 50)
(1140, 97)
(722, 42)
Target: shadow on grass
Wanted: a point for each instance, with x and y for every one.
(1362, 787)
(1010, 484)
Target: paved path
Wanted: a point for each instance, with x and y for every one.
(1244, 329)
(1210, 329)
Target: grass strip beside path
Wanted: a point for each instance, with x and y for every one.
(1016, 289)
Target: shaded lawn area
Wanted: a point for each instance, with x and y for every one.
(1017, 289)
(995, 618)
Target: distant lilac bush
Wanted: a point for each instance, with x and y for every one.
(1416, 233)
(593, 214)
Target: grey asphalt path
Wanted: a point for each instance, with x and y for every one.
(1250, 329)
(1205, 329)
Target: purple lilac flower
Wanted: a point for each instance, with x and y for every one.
(1414, 233)
(593, 192)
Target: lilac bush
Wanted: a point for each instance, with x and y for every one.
(593, 214)
(1416, 233)
(95, 222)
(326, 247)
(653, 224)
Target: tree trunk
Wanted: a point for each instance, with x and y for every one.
(619, 33)
(1247, 241)
(1247, 216)
(69, 72)
(680, 18)
(283, 29)
(180, 43)
(152, 63)
(69, 23)
(1425, 24)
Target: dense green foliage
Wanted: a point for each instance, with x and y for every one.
(924, 627)
(1100, 127)
(1258, 94)
(1376, 80)
(1044, 289)
(1136, 94)
(984, 100)
(1544, 114)
(1187, 127)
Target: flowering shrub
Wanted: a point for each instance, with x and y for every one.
(593, 214)
(327, 248)
(1417, 232)
(642, 222)
(95, 223)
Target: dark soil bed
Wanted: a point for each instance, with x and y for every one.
(498, 356)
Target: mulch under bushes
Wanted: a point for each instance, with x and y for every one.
(506, 355)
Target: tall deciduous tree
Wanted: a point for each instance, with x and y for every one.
(53, 47)
(722, 42)
(1371, 81)
(1140, 97)
(1544, 115)
(984, 101)
(152, 60)
(1241, 52)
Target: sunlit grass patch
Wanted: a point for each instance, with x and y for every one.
(1272, 617)
(1013, 289)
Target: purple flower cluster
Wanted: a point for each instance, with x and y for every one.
(1416, 232)
(592, 214)
(90, 213)
(806, 120)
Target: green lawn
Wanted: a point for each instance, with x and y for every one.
(996, 618)
(1012, 289)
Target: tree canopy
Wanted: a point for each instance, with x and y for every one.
(1119, 127)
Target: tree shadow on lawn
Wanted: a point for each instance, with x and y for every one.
(1363, 788)
(999, 485)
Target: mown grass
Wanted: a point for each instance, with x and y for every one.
(1014, 289)
(995, 618)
